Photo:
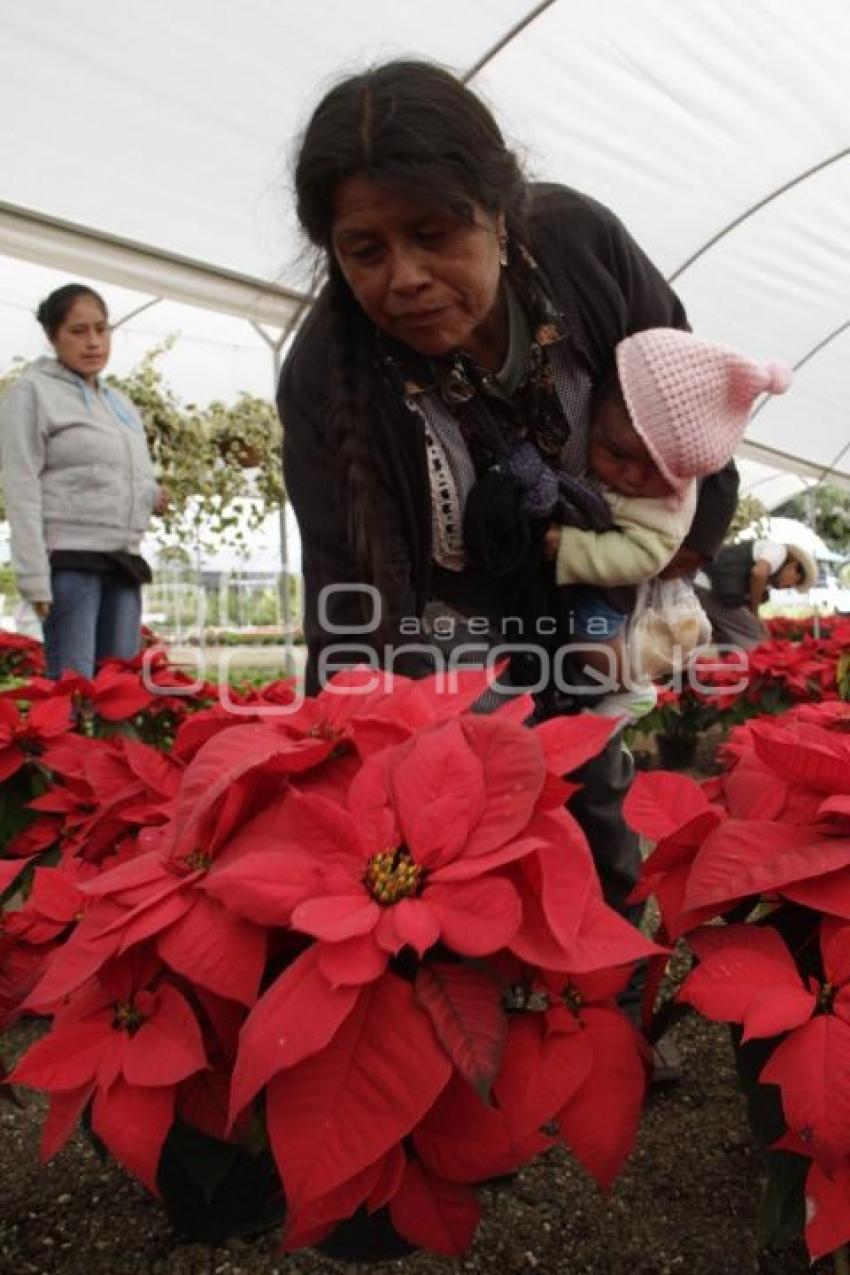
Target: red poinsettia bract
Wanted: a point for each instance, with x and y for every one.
(25, 735)
(124, 1046)
(746, 974)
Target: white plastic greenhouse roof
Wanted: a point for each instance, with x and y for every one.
(146, 144)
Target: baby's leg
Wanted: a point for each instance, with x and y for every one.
(599, 630)
(598, 633)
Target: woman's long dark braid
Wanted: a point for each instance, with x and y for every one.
(350, 420)
(519, 269)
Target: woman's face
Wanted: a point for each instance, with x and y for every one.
(420, 273)
(789, 575)
(83, 340)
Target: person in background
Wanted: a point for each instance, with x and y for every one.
(733, 587)
(461, 301)
(80, 490)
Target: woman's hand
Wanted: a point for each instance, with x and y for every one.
(163, 499)
(42, 609)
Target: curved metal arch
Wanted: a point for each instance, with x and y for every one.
(754, 208)
(506, 39)
(760, 482)
(807, 357)
(810, 354)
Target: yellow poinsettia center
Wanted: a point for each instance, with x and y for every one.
(826, 998)
(197, 861)
(522, 998)
(324, 730)
(127, 1018)
(572, 999)
(330, 734)
(393, 875)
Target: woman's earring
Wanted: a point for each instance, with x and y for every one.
(503, 250)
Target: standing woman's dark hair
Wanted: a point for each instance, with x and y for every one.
(416, 128)
(54, 310)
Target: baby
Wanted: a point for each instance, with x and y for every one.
(675, 411)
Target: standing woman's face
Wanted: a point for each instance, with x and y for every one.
(83, 341)
(421, 274)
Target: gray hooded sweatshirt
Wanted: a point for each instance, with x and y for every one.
(76, 471)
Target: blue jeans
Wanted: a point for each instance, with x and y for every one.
(594, 620)
(93, 616)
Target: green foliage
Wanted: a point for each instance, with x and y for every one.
(781, 1214)
(831, 514)
(16, 792)
(749, 511)
(246, 604)
(8, 587)
(678, 715)
(220, 464)
(843, 676)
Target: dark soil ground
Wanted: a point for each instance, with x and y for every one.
(683, 1206)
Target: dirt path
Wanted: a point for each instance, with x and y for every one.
(684, 1205)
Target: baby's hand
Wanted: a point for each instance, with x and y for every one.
(685, 562)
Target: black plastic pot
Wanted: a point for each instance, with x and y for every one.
(366, 1237)
(676, 752)
(213, 1191)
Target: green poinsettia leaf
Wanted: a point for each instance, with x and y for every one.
(781, 1212)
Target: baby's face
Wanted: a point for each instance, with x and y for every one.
(618, 456)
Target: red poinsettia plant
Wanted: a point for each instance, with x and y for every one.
(75, 774)
(364, 940)
(753, 869)
(778, 673)
(20, 657)
(726, 687)
(126, 699)
(795, 628)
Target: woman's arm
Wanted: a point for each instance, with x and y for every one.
(759, 577)
(23, 448)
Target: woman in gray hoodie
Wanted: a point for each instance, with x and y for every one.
(80, 490)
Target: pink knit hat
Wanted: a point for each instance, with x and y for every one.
(690, 399)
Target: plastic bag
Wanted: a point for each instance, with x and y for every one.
(667, 626)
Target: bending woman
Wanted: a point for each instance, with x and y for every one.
(80, 490)
(734, 586)
(463, 307)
